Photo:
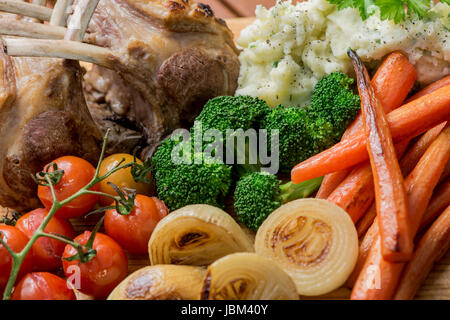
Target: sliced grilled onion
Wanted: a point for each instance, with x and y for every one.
(247, 276)
(163, 282)
(312, 240)
(196, 235)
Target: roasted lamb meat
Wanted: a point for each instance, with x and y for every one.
(168, 57)
(43, 116)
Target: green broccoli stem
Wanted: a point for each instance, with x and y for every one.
(290, 191)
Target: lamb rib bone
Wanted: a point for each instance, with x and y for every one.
(60, 12)
(58, 49)
(27, 29)
(79, 20)
(26, 9)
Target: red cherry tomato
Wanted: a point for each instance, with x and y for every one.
(16, 240)
(42, 286)
(77, 174)
(47, 252)
(133, 231)
(104, 272)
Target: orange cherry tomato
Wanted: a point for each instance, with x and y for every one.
(16, 240)
(47, 252)
(121, 178)
(104, 272)
(42, 286)
(77, 174)
(133, 231)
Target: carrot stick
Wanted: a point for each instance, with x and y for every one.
(409, 161)
(424, 178)
(390, 195)
(433, 245)
(364, 248)
(440, 200)
(432, 87)
(378, 278)
(446, 173)
(392, 82)
(366, 221)
(407, 122)
(330, 183)
(419, 185)
(356, 193)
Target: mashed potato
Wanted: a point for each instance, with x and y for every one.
(290, 47)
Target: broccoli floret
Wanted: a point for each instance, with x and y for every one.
(257, 195)
(295, 141)
(241, 112)
(233, 113)
(182, 184)
(334, 102)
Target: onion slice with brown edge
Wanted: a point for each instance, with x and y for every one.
(196, 235)
(162, 282)
(247, 276)
(312, 240)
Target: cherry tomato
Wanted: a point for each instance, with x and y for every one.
(47, 252)
(121, 178)
(42, 286)
(104, 272)
(133, 231)
(16, 240)
(77, 174)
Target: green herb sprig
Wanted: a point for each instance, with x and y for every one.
(396, 10)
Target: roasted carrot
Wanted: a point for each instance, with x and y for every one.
(406, 122)
(378, 278)
(446, 172)
(392, 82)
(430, 88)
(331, 182)
(409, 161)
(419, 185)
(433, 245)
(356, 193)
(390, 195)
(439, 201)
(366, 221)
(424, 178)
(364, 247)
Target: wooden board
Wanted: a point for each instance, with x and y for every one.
(436, 286)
